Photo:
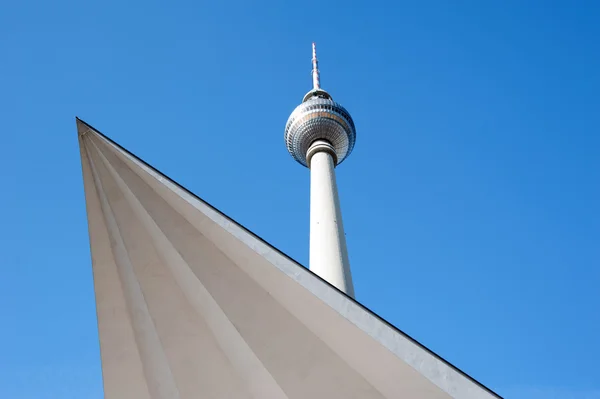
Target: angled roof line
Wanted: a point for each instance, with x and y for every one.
(393, 327)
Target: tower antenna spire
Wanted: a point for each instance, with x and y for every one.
(315, 69)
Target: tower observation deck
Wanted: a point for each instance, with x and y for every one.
(320, 134)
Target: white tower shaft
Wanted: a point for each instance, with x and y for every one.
(328, 251)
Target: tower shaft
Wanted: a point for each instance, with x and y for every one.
(328, 251)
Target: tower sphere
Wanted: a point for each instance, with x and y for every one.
(319, 118)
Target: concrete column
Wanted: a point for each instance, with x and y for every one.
(328, 251)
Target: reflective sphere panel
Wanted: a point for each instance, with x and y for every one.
(319, 119)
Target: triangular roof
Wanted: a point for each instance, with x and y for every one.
(191, 304)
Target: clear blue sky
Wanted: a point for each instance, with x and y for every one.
(471, 201)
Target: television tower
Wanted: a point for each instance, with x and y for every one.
(320, 134)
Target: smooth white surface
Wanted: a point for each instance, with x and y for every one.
(328, 251)
(191, 305)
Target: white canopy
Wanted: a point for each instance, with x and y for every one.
(192, 305)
